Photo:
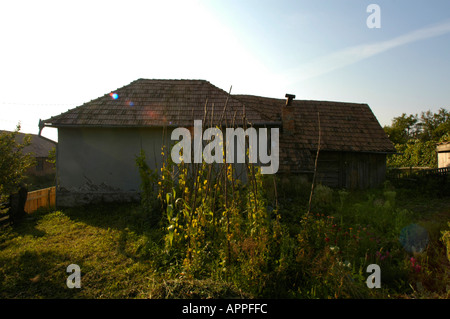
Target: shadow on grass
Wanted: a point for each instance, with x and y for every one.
(27, 226)
(141, 232)
(34, 275)
(119, 216)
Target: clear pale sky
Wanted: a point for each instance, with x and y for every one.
(56, 55)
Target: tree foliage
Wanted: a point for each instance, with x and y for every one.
(13, 162)
(415, 138)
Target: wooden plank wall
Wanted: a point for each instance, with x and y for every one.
(41, 198)
(351, 170)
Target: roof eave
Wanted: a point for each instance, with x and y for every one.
(59, 125)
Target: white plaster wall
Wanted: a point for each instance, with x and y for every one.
(99, 164)
(102, 160)
(444, 159)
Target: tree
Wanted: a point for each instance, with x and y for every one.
(415, 138)
(434, 125)
(403, 128)
(13, 163)
(414, 153)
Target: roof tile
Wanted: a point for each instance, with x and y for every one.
(344, 126)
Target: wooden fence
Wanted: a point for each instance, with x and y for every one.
(45, 197)
(437, 171)
(428, 181)
(41, 198)
(417, 172)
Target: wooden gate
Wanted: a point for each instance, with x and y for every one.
(41, 198)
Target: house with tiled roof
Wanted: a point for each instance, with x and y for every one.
(39, 148)
(99, 140)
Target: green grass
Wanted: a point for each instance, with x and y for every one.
(121, 253)
(113, 245)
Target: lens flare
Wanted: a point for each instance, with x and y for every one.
(414, 238)
(115, 96)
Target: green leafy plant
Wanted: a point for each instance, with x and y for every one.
(148, 186)
(13, 162)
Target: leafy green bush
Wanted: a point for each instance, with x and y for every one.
(415, 153)
(149, 178)
(322, 199)
(415, 138)
(13, 163)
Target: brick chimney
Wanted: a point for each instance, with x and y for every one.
(287, 115)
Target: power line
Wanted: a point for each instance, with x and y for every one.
(39, 104)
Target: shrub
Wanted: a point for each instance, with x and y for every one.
(322, 199)
(446, 240)
(149, 179)
(13, 163)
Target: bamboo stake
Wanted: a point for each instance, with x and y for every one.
(315, 166)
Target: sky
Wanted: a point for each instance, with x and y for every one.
(56, 55)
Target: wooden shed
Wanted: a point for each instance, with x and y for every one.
(353, 145)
